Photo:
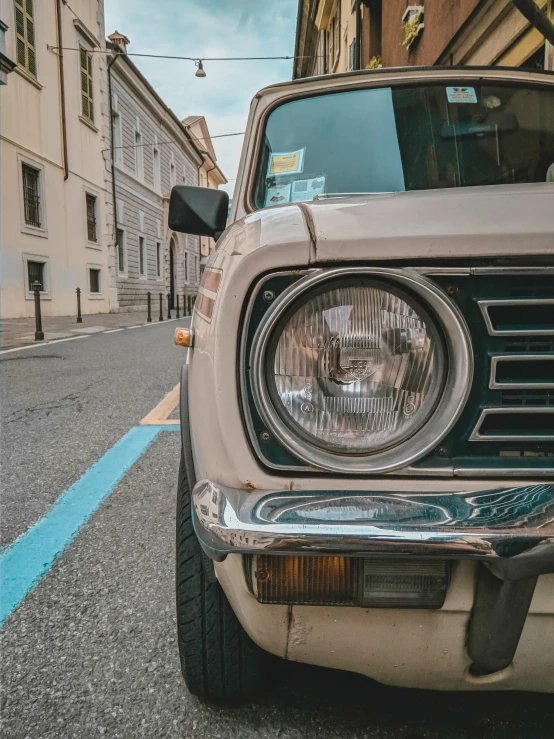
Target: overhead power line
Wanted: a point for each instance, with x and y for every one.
(184, 58)
(161, 143)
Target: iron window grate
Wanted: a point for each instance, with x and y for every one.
(31, 198)
(35, 272)
(91, 218)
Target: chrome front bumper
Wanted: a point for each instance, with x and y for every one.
(511, 529)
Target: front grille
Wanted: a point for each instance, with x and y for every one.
(527, 397)
(512, 403)
(508, 422)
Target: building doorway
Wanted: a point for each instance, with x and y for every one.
(172, 274)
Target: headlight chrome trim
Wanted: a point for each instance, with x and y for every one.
(447, 411)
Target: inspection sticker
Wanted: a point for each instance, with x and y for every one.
(307, 189)
(461, 94)
(291, 162)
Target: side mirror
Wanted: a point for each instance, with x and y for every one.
(200, 211)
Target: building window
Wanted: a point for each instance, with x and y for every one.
(172, 171)
(25, 36)
(142, 256)
(31, 196)
(87, 94)
(158, 259)
(186, 267)
(35, 273)
(120, 250)
(139, 154)
(117, 139)
(91, 218)
(157, 173)
(94, 280)
(195, 274)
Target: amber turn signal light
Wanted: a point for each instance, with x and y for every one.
(384, 582)
(184, 337)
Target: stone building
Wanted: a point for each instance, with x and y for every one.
(53, 219)
(152, 151)
(347, 35)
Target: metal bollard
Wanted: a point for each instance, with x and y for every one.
(177, 298)
(79, 316)
(168, 307)
(149, 303)
(39, 335)
(161, 309)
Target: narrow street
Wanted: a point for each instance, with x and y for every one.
(91, 650)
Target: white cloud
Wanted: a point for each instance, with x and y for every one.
(209, 28)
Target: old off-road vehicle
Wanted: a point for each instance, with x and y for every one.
(367, 474)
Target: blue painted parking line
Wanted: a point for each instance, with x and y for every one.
(29, 557)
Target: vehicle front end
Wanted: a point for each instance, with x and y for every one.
(368, 400)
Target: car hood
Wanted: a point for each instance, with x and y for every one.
(500, 220)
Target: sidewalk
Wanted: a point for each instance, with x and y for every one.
(17, 332)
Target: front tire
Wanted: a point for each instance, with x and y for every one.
(218, 658)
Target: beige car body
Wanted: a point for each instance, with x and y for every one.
(413, 648)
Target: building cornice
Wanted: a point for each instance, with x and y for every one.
(6, 64)
(85, 33)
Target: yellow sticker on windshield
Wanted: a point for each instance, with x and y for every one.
(291, 162)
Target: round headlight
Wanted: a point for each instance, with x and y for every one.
(361, 369)
(356, 367)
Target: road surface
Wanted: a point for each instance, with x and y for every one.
(90, 648)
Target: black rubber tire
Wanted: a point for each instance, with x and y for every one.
(218, 659)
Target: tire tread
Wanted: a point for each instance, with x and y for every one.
(218, 658)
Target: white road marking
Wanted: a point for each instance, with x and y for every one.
(114, 330)
(43, 343)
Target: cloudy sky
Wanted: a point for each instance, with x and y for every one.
(209, 28)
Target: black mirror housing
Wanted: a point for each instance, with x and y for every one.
(200, 211)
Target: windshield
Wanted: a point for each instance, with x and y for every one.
(411, 138)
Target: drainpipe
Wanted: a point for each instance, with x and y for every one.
(530, 10)
(114, 198)
(358, 47)
(62, 89)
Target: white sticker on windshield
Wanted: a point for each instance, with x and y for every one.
(461, 94)
(291, 162)
(277, 194)
(307, 189)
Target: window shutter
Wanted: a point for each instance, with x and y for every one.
(25, 36)
(86, 84)
(20, 34)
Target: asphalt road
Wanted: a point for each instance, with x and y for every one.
(91, 651)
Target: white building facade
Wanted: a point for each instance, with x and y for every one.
(152, 151)
(53, 183)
